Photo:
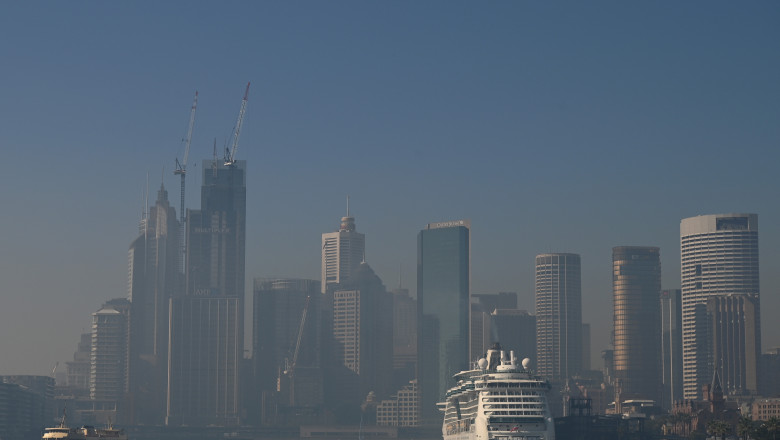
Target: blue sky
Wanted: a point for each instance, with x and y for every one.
(569, 126)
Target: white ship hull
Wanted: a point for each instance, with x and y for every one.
(498, 401)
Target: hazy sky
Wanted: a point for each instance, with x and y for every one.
(565, 127)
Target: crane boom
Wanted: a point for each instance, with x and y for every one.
(181, 169)
(300, 334)
(230, 157)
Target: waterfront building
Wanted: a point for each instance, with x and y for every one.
(719, 255)
(671, 347)
(558, 315)
(206, 323)
(636, 286)
(443, 306)
(735, 341)
(342, 253)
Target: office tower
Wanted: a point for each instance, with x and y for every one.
(558, 316)
(25, 405)
(154, 278)
(78, 368)
(481, 330)
(500, 300)
(769, 373)
(443, 306)
(719, 254)
(108, 361)
(342, 253)
(671, 347)
(206, 324)
(636, 285)
(585, 347)
(516, 330)
(404, 335)
(286, 341)
(363, 332)
(735, 341)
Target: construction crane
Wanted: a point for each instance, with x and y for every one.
(286, 381)
(181, 169)
(230, 155)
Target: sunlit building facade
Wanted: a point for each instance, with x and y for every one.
(636, 285)
(342, 253)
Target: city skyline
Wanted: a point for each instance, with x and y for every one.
(553, 128)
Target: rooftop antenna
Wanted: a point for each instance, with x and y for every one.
(214, 164)
(347, 205)
(400, 273)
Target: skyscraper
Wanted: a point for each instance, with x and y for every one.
(671, 347)
(363, 332)
(636, 285)
(108, 360)
(154, 278)
(278, 326)
(443, 287)
(342, 253)
(719, 254)
(206, 324)
(735, 341)
(516, 330)
(558, 315)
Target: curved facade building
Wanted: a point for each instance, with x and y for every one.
(636, 286)
(719, 255)
(558, 316)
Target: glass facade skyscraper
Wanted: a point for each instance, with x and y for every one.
(443, 288)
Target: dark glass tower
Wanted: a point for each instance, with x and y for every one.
(206, 324)
(443, 266)
(636, 285)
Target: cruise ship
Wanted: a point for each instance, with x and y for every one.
(499, 399)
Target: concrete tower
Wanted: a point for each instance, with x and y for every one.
(719, 255)
(342, 253)
(558, 316)
(636, 285)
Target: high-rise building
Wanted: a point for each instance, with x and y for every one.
(558, 315)
(342, 253)
(516, 330)
(108, 362)
(671, 347)
(363, 332)
(482, 334)
(735, 341)
(286, 347)
(404, 331)
(585, 347)
(279, 305)
(78, 368)
(443, 305)
(719, 254)
(636, 285)
(206, 324)
(154, 278)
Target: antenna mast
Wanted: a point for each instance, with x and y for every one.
(181, 169)
(230, 157)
